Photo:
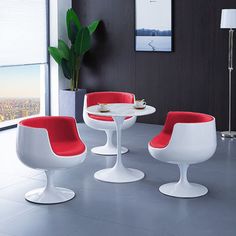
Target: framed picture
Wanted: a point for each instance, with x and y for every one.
(153, 30)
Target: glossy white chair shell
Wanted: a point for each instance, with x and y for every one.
(109, 149)
(34, 150)
(190, 143)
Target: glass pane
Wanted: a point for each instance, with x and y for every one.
(22, 92)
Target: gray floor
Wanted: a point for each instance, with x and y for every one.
(120, 209)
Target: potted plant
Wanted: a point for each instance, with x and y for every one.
(69, 57)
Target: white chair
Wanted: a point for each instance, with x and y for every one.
(187, 138)
(106, 123)
(49, 144)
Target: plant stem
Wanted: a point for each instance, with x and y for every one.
(77, 79)
(72, 82)
(77, 69)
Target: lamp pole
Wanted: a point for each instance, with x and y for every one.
(230, 133)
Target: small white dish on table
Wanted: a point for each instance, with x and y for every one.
(118, 111)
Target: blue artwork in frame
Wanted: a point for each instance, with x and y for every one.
(153, 30)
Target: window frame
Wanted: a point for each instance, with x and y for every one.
(47, 74)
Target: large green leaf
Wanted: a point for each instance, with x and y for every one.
(66, 69)
(56, 54)
(82, 41)
(93, 26)
(73, 24)
(64, 49)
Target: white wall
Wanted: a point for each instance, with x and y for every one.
(57, 21)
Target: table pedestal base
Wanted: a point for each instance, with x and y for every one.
(117, 175)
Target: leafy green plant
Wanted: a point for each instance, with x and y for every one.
(69, 57)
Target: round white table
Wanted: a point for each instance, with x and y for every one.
(118, 111)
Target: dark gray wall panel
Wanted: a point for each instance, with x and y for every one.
(193, 77)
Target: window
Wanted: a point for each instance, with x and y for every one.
(23, 59)
(22, 92)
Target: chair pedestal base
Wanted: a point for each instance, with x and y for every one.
(108, 150)
(52, 196)
(183, 190)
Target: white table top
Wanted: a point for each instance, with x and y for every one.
(121, 109)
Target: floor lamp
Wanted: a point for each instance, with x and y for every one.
(228, 21)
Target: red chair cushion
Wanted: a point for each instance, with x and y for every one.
(174, 117)
(68, 148)
(108, 97)
(62, 132)
(161, 140)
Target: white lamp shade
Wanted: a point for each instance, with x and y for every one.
(228, 19)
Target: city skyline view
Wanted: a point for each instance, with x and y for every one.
(19, 92)
(15, 108)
